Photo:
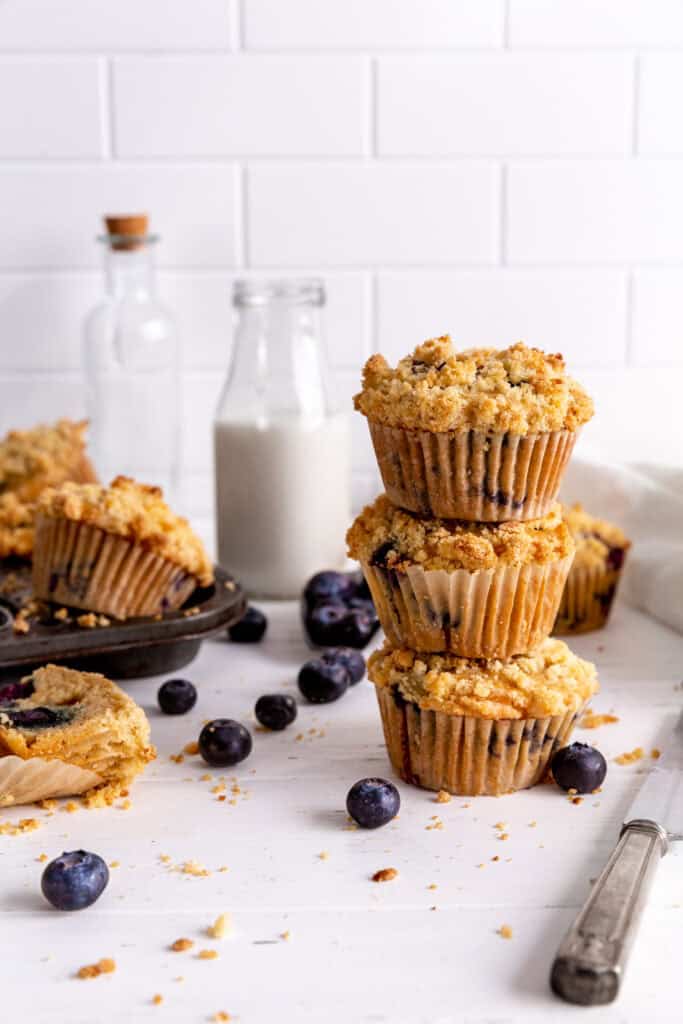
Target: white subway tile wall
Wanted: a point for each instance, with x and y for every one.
(496, 169)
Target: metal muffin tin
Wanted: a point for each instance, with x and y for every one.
(123, 650)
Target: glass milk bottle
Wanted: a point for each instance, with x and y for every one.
(282, 452)
(130, 354)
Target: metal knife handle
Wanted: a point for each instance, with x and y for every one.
(591, 959)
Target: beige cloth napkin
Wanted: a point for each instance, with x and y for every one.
(646, 501)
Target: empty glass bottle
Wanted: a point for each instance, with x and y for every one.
(130, 357)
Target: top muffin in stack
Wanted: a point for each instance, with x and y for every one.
(467, 556)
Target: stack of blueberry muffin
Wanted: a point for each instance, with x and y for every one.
(466, 556)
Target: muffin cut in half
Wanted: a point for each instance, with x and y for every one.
(475, 727)
(482, 435)
(64, 733)
(593, 579)
(478, 590)
(118, 550)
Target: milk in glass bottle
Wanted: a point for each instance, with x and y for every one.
(282, 449)
(130, 355)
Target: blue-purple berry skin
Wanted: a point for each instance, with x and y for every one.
(275, 711)
(75, 880)
(579, 767)
(177, 696)
(251, 628)
(352, 660)
(322, 682)
(373, 802)
(224, 742)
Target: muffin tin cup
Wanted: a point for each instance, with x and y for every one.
(23, 781)
(586, 600)
(472, 475)
(82, 566)
(466, 755)
(490, 613)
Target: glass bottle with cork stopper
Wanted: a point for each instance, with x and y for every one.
(131, 364)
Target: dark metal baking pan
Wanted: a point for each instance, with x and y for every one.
(122, 650)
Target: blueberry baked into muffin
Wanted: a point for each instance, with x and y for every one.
(478, 590)
(118, 550)
(64, 733)
(472, 726)
(479, 435)
(593, 579)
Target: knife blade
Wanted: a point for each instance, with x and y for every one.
(592, 957)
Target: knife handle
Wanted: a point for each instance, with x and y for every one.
(591, 959)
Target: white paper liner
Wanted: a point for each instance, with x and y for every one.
(490, 613)
(470, 474)
(587, 599)
(23, 781)
(466, 755)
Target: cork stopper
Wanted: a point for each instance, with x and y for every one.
(127, 231)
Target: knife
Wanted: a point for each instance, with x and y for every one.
(591, 960)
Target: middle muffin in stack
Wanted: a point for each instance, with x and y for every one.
(466, 557)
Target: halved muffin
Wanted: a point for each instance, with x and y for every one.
(475, 726)
(478, 590)
(593, 579)
(482, 435)
(118, 550)
(64, 732)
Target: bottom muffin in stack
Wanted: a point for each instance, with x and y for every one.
(472, 726)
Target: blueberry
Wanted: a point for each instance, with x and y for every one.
(353, 661)
(579, 767)
(328, 586)
(275, 711)
(39, 718)
(361, 585)
(177, 697)
(322, 681)
(373, 802)
(74, 880)
(251, 627)
(337, 625)
(15, 691)
(224, 742)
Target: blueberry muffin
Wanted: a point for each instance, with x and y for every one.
(480, 435)
(44, 456)
(64, 732)
(593, 579)
(478, 590)
(118, 550)
(478, 726)
(17, 526)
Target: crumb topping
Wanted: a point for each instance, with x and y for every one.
(388, 536)
(17, 526)
(135, 511)
(548, 681)
(597, 541)
(44, 456)
(518, 390)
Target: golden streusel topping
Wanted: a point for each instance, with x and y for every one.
(594, 537)
(388, 536)
(17, 522)
(136, 511)
(44, 456)
(518, 390)
(550, 680)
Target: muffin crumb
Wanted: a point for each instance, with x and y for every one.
(181, 945)
(207, 954)
(221, 927)
(630, 756)
(505, 931)
(385, 875)
(104, 966)
(443, 797)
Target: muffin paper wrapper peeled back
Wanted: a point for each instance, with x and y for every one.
(23, 781)
(82, 566)
(490, 613)
(466, 755)
(587, 599)
(472, 475)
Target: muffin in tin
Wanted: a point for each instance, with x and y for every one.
(119, 550)
(44, 456)
(478, 590)
(591, 586)
(474, 727)
(482, 435)
(64, 732)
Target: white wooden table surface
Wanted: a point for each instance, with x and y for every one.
(357, 951)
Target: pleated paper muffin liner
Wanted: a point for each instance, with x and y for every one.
(466, 755)
(490, 613)
(23, 781)
(472, 475)
(82, 566)
(587, 599)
